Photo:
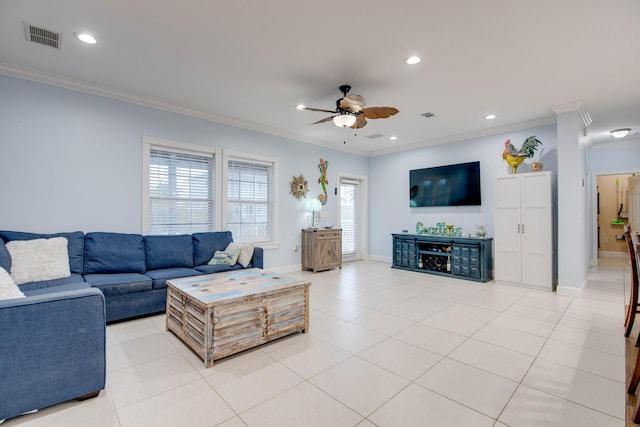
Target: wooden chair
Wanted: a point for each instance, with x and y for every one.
(632, 309)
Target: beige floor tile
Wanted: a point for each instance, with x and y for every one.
(360, 385)
(310, 357)
(131, 330)
(486, 393)
(149, 379)
(586, 359)
(417, 406)
(303, 405)
(511, 339)
(320, 322)
(524, 324)
(401, 358)
(538, 313)
(589, 339)
(452, 322)
(383, 323)
(249, 384)
(194, 405)
(497, 360)
(133, 352)
(594, 391)
(346, 310)
(352, 338)
(432, 339)
(533, 408)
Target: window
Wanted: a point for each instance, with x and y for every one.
(179, 189)
(250, 197)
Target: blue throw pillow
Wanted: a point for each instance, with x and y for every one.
(206, 244)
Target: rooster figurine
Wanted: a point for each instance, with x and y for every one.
(514, 157)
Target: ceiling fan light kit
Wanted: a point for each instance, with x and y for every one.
(344, 120)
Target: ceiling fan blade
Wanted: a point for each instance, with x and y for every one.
(322, 110)
(353, 102)
(326, 119)
(379, 112)
(361, 122)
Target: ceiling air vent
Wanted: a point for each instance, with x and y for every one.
(42, 36)
(428, 115)
(375, 135)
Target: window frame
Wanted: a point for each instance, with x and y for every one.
(149, 143)
(228, 155)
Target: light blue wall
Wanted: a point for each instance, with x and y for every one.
(389, 210)
(73, 161)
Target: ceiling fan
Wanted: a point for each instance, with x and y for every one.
(351, 112)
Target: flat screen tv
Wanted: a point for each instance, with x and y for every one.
(451, 185)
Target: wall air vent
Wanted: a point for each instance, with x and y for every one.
(427, 115)
(375, 135)
(42, 36)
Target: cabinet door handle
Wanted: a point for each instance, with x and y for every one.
(519, 228)
(522, 228)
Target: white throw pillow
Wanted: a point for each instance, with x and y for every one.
(246, 252)
(39, 259)
(8, 288)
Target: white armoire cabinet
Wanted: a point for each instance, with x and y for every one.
(523, 221)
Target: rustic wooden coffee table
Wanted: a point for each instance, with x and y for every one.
(220, 314)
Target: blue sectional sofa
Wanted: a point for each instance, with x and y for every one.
(131, 270)
(52, 342)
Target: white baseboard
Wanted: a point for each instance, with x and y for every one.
(569, 291)
(286, 269)
(379, 258)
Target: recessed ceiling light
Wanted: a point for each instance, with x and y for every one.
(393, 138)
(85, 37)
(300, 107)
(490, 116)
(413, 60)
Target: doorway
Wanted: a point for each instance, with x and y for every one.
(352, 216)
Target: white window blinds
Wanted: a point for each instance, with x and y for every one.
(249, 200)
(181, 192)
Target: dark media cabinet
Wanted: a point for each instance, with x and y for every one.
(459, 257)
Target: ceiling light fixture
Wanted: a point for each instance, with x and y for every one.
(620, 133)
(490, 116)
(413, 60)
(344, 120)
(85, 37)
(300, 107)
(393, 138)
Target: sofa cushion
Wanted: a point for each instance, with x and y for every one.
(8, 288)
(73, 279)
(5, 257)
(206, 244)
(168, 251)
(209, 269)
(119, 283)
(61, 288)
(107, 253)
(39, 259)
(75, 244)
(160, 277)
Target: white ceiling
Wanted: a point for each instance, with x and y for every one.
(249, 63)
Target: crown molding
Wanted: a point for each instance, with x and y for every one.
(78, 86)
(578, 106)
(599, 146)
(470, 135)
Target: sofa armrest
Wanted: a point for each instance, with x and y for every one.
(52, 347)
(257, 261)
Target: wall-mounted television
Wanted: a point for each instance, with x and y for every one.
(450, 185)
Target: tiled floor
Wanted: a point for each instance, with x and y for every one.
(385, 348)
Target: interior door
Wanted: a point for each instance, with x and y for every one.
(634, 202)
